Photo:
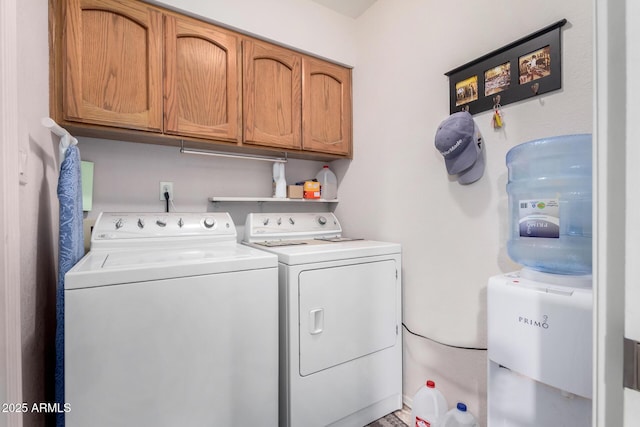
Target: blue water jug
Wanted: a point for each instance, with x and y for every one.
(550, 204)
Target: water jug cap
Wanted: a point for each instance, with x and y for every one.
(461, 407)
(431, 384)
(326, 166)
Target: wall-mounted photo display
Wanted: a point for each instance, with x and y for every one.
(522, 69)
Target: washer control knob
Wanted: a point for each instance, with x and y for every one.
(279, 221)
(140, 223)
(180, 223)
(265, 221)
(292, 221)
(209, 222)
(322, 220)
(119, 224)
(161, 223)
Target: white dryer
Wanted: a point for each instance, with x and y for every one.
(170, 322)
(340, 320)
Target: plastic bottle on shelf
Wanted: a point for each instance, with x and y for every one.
(459, 417)
(279, 182)
(328, 183)
(429, 406)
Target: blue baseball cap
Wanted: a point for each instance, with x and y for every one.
(459, 141)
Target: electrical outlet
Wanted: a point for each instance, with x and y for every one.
(166, 186)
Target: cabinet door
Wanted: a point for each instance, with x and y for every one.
(272, 95)
(113, 58)
(326, 110)
(201, 80)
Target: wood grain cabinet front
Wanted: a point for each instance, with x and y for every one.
(202, 80)
(112, 71)
(125, 69)
(272, 95)
(326, 109)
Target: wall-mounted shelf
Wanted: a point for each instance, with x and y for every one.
(269, 199)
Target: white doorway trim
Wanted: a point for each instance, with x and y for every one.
(10, 325)
(609, 210)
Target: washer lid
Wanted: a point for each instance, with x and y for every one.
(105, 267)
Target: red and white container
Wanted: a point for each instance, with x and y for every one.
(429, 406)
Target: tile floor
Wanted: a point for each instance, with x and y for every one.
(404, 414)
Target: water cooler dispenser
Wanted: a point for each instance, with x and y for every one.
(539, 319)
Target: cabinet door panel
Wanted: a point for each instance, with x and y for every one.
(327, 107)
(201, 81)
(113, 64)
(272, 95)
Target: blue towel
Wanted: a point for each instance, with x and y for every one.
(71, 249)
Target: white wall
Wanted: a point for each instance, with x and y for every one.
(127, 178)
(38, 208)
(397, 188)
(10, 331)
(300, 24)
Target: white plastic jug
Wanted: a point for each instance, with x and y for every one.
(328, 183)
(459, 417)
(279, 182)
(429, 406)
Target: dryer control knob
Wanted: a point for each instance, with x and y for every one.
(209, 222)
(322, 220)
(140, 223)
(119, 224)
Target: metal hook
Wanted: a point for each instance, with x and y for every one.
(496, 101)
(535, 87)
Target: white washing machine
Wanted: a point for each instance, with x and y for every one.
(539, 348)
(170, 322)
(340, 320)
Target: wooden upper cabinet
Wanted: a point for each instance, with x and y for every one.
(326, 110)
(202, 80)
(272, 95)
(113, 63)
(124, 66)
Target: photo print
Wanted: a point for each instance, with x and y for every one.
(467, 90)
(497, 79)
(535, 65)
